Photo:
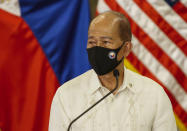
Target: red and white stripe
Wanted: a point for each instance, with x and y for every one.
(156, 40)
(160, 72)
(163, 9)
(184, 2)
(163, 25)
(160, 45)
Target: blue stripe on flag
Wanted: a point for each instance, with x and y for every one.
(172, 2)
(61, 28)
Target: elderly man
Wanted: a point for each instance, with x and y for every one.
(138, 103)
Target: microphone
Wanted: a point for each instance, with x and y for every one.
(116, 74)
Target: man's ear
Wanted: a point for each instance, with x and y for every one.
(128, 48)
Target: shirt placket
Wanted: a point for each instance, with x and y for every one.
(99, 114)
(113, 124)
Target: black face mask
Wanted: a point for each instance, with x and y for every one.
(103, 60)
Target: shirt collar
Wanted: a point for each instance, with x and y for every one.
(95, 83)
(127, 82)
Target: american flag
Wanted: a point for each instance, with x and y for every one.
(159, 45)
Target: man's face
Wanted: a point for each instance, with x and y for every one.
(104, 32)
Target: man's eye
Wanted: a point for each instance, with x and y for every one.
(91, 42)
(106, 42)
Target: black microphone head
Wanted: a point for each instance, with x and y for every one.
(116, 73)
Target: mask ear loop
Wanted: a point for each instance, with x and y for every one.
(122, 44)
(119, 50)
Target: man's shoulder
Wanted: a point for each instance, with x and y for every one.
(73, 95)
(148, 90)
(143, 83)
(76, 85)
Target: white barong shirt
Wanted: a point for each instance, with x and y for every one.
(139, 105)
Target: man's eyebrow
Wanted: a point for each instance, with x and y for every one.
(102, 37)
(90, 37)
(106, 37)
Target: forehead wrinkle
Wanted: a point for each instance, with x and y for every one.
(101, 37)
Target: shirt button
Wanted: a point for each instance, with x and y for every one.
(102, 89)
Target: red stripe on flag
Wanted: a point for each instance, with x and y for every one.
(163, 25)
(177, 108)
(156, 51)
(160, 55)
(96, 13)
(144, 71)
(181, 10)
(27, 80)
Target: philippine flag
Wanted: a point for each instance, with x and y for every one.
(42, 45)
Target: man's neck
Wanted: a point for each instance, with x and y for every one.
(109, 80)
